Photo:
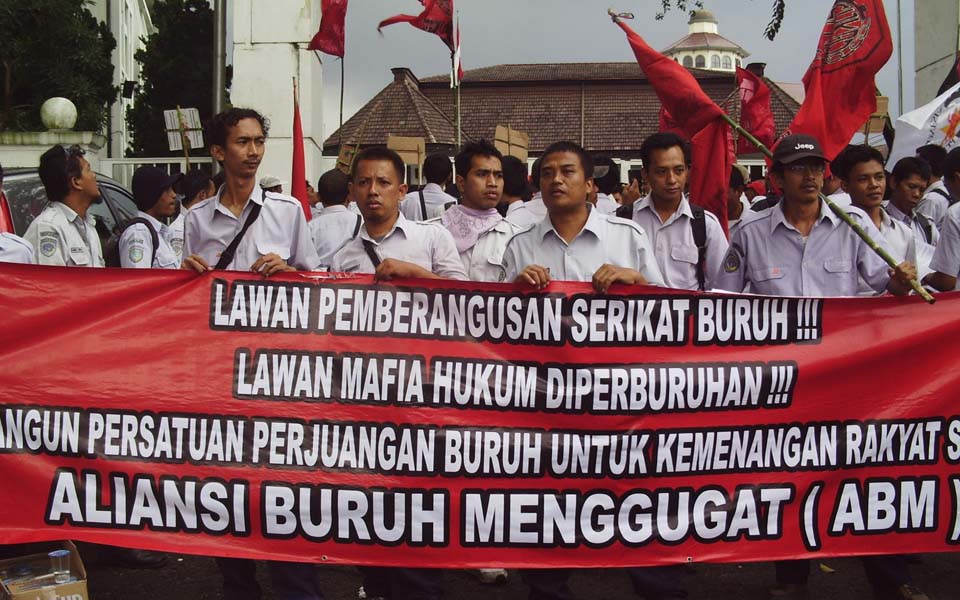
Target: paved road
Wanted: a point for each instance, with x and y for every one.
(189, 577)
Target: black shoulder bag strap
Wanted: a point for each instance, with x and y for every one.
(925, 225)
(699, 226)
(356, 229)
(227, 256)
(423, 206)
(371, 251)
(946, 195)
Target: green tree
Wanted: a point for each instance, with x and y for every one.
(773, 27)
(177, 69)
(54, 48)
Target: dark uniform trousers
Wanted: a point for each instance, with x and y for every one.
(653, 583)
(883, 572)
(290, 580)
(398, 583)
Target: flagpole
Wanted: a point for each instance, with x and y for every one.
(837, 211)
(899, 60)
(342, 85)
(456, 73)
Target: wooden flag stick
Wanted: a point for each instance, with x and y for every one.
(840, 213)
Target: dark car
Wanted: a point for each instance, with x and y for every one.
(26, 198)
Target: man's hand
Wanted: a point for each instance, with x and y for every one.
(900, 277)
(270, 264)
(608, 275)
(392, 268)
(195, 263)
(534, 275)
(631, 193)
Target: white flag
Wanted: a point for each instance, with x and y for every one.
(935, 123)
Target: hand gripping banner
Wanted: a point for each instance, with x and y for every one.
(312, 419)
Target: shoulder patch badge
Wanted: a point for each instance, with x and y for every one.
(48, 243)
(731, 262)
(135, 253)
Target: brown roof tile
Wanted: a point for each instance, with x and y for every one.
(615, 102)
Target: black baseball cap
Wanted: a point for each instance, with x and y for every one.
(797, 147)
(149, 183)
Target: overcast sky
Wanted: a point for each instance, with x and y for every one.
(548, 31)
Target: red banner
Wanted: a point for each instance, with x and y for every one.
(309, 419)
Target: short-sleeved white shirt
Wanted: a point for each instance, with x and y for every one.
(14, 249)
(427, 245)
(280, 229)
(674, 246)
(136, 246)
(604, 239)
(61, 237)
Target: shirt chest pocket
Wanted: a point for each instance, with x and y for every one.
(79, 255)
(768, 273)
(684, 254)
(166, 258)
(265, 248)
(837, 265)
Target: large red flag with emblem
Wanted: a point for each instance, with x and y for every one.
(689, 111)
(436, 18)
(839, 85)
(330, 37)
(755, 114)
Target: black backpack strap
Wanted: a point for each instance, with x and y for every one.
(950, 200)
(925, 225)
(423, 206)
(699, 226)
(371, 251)
(227, 256)
(356, 229)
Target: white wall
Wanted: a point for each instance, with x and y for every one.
(936, 24)
(269, 49)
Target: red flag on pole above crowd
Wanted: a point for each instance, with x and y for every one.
(839, 85)
(298, 178)
(697, 117)
(436, 18)
(755, 114)
(330, 38)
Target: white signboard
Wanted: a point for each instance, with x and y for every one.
(191, 122)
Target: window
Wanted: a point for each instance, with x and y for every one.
(727, 63)
(701, 61)
(714, 62)
(687, 62)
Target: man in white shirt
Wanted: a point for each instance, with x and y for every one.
(907, 182)
(277, 239)
(389, 245)
(514, 191)
(431, 201)
(606, 179)
(936, 199)
(336, 224)
(154, 196)
(195, 186)
(65, 233)
(672, 224)
(479, 231)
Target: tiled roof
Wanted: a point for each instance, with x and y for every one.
(611, 71)
(705, 40)
(399, 109)
(618, 112)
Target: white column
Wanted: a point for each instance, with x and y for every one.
(269, 50)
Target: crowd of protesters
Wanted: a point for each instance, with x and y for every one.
(483, 217)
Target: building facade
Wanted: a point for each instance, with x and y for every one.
(704, 47)
(936, 27)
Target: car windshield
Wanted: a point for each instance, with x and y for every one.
(27, 199)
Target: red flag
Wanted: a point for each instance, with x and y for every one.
(329, 38)
(697, 117)
(839, 85)
(298, 179)
(436, 18)
(755, 114)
